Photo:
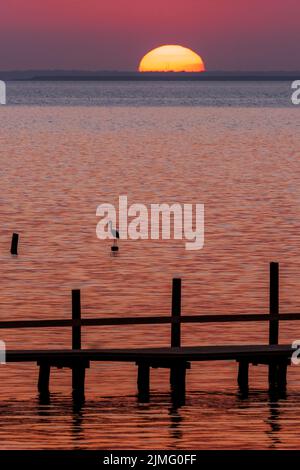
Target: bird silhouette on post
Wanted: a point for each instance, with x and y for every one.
(115, 235)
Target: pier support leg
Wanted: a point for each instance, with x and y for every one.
(277, 376)
(281, 376)
(177, 381)
(143, 381)
(44, 378)
(243, 376)
(273, 376)
(78, 379)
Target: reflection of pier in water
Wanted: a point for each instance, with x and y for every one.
(274, 421)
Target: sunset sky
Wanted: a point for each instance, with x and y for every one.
(114, 35)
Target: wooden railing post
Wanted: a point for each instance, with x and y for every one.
(177, 368)
(274, 321)
(76, 318)
(176, 312)
(274, 304)
(78, 366)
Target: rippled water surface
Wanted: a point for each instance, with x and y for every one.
(59, 160)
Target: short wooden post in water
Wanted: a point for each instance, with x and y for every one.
(44, 378)
(243, 376)
(14, 244)
(143, 380)
(78, 368)
(274, 320)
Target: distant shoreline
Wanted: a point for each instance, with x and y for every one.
(166, 79)
(136, 76)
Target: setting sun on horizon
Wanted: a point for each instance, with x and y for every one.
(171, 58)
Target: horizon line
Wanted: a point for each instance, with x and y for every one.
(138, 72)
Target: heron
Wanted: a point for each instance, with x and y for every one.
(114, 232)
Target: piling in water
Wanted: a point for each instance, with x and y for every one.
(14, 244)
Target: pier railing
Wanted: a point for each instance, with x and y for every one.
(176, 319)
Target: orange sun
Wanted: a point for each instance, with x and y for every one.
(171, 59)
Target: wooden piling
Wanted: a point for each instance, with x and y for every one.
(178, 373)
(273, 375)
(14, 244)
(278, 375)
(44, 378)
(178, 379)
(143, 380)
(243, 376)
(282, 376)
(78, 379)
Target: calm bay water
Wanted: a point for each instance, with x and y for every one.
(68, 147)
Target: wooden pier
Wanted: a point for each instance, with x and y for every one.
(175, 357)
